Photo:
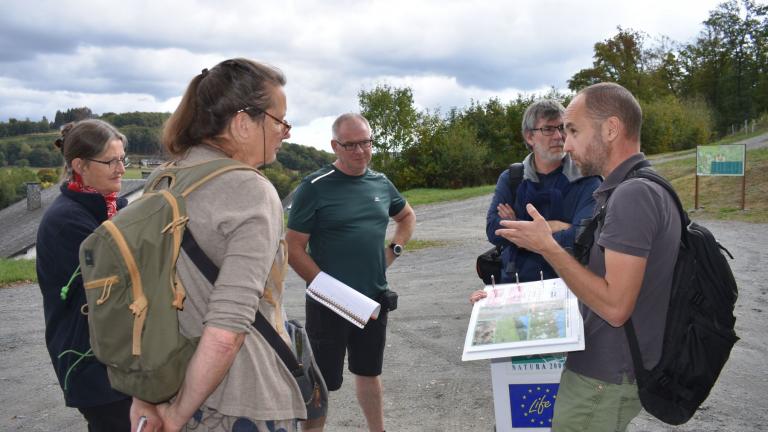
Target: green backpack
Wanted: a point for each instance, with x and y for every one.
(129, 273)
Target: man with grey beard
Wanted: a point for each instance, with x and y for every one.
(551, 182)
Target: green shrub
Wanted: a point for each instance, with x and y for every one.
(13, 184)
(48, 175)
(672, 125)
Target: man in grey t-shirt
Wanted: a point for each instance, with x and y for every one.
(630, 268)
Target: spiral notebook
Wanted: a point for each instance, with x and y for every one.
(343, 299)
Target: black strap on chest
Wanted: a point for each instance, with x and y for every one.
(585, 234)
(211, 272)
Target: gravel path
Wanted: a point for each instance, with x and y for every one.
(427, 386)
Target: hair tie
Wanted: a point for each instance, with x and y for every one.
(63, 130)
(204, 72)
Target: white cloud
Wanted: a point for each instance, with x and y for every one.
(316, 133)
(140, 54)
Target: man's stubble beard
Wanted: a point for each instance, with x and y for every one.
(595, 157)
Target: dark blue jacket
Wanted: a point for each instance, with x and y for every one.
(66, 223)
(576, 203)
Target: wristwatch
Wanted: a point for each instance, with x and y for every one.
(396, 249)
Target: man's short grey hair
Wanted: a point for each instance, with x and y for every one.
(547, 109)
(340, 120)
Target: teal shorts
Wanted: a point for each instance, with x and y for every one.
(588, 404)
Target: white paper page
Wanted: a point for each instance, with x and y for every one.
(343, 299)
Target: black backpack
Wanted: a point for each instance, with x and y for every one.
(699, 333)
(489, 262)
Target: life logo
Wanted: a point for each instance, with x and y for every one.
(532, 404)
(376, 199)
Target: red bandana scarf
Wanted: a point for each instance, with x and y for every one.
(76, 185)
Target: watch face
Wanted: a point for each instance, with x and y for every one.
(397, 249)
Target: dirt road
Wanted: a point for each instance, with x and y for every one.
(427, 386)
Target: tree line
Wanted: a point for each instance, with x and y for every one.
(27, 143)
(690, 93)
(294, 161)
(725, 69)
(33, 147)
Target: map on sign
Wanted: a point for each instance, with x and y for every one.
(522, 319)
(721, 160)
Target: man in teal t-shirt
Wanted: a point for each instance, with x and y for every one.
(341, 212)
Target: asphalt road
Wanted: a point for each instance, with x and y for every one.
(427, 386)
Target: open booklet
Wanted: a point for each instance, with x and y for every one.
(343, 299)
(522, 319)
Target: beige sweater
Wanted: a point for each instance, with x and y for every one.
(237, 219)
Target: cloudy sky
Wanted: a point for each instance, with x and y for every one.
(139, 55)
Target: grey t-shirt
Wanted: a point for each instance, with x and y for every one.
(641, 220)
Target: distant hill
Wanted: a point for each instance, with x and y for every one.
(36, 149)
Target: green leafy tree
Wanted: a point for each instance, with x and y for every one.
(13, 184)
(672, 125)
(146, 119)
(446, 155)
(727, 63)
(393, 117)
(303, 159)
(618, 59)
(625, 59)
(498, 131)
(70, 115)
(142, 140)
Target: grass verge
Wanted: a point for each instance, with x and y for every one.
(416, 244)
(132, 173)
(14, 271)
(428, 196)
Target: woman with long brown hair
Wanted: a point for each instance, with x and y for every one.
(235, 379)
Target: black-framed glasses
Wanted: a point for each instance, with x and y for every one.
(350, 146)
(550, 130)
(113, 163)
(284, 123)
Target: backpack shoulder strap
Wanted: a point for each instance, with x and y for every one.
(184, 180)
(515, 177)
(643, 170)
(649, 174)
(260, 323)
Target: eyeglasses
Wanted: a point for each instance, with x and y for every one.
(287, 126)
(350, 146)
(550, 130)
(113, 163)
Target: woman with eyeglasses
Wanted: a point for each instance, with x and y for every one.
(94, 158)
(235, 379)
